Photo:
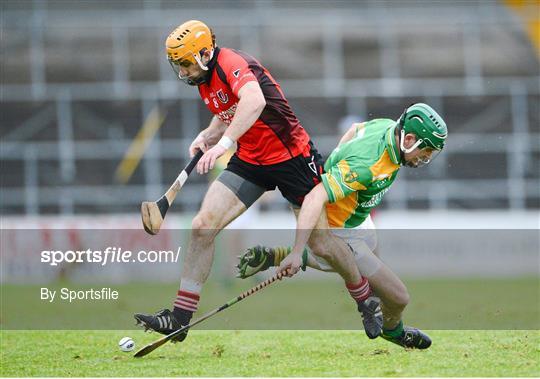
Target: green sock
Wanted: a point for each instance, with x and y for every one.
(304, 259)
(396, 332)
(280, 252)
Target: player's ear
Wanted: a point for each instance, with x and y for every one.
(206, 56)
(410, 140)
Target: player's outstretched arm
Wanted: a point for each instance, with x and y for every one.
(351, 133)
(307, 220)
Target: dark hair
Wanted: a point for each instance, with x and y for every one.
(213, 37)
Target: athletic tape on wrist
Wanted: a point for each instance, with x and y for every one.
(225, 142)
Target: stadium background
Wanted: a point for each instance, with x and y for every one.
(80, 80)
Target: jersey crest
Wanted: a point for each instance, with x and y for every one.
(224, 98)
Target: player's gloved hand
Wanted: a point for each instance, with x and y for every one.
(209, 158)
(291, 264)
(198, 143)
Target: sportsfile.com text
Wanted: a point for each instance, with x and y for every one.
(109, 255)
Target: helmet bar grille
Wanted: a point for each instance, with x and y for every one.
(434, 120)
(184, 33)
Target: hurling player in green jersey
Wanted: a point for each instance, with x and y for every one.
(358, 174)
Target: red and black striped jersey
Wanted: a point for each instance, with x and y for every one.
(277, 135)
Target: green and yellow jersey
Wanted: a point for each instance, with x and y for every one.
(359, 172)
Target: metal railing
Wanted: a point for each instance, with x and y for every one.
(58, 187)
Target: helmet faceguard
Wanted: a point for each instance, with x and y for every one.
(426, 155)
(186, 62)
(186, 45)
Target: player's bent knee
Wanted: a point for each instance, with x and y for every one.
(321, 250)
(203, 226)
(400, 298)
(403, 299)
(198, 223)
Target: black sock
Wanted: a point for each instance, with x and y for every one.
(182, 315)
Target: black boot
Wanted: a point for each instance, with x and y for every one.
(163, 322)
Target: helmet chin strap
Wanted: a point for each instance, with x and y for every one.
(410, 149)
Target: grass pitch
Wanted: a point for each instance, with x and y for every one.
(270, 353)
(219, 350)
(294, 304)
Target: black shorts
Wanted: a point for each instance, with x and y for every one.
(294, 177)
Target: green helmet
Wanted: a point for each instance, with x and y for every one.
(429, 128)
